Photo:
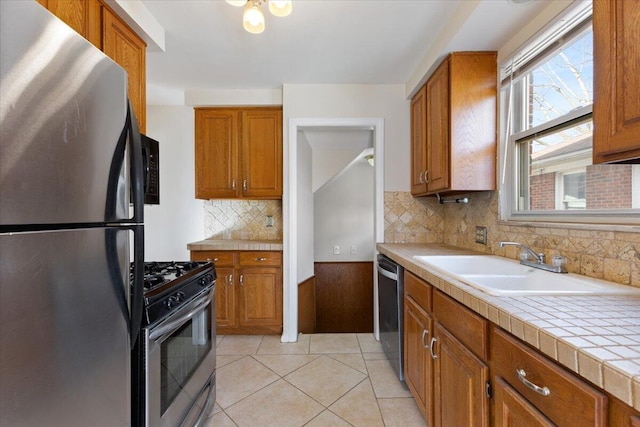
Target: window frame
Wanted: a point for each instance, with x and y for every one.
(509, 167)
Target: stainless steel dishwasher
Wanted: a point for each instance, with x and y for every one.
(390, 311)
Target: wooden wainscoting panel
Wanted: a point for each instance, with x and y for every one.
(344, 297)
(307, 306)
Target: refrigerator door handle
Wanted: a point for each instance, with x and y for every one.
(137, 301)
(137, 172)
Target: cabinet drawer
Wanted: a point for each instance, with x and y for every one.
(468, 327)
(261, 258)
(418, 289)
(570, 401)
(220, 258)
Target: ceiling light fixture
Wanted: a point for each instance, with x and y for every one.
(253, 17)
(369, 158)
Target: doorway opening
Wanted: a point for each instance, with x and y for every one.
(337, 174)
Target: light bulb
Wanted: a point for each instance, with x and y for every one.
(238, 3)
(280, 7)
(253, 18)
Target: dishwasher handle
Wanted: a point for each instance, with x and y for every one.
(389, 268)
(387, 273)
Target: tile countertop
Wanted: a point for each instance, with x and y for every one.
(597, 337)
(235, 245)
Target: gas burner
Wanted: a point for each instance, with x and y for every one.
(152, 280)
(170, 284)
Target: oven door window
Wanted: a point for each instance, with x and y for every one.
(181, 354)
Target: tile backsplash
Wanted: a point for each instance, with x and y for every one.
(408, 219)
(591, 251)
(242, 219)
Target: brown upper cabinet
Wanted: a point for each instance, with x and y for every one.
(93, 20)
(418, 141)
(453, 126)
(238, 153)
(616, 103)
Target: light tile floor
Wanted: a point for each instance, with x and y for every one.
(323, 380)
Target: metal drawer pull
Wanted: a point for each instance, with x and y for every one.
(431, 345)
(424, 333)
(241, 279)
(216, 259)
(522, 376)
(420, 178)
(261, 259)
(233, 184)
(230, 279)
(244, 185)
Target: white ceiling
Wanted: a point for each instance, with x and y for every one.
(322, 41)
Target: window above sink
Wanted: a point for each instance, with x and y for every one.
(547, 131)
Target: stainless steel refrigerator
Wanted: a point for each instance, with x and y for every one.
(70, 161)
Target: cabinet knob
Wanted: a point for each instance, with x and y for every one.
(233, 184)
(241, 279)
(420, 178)
(244, 185)
(230, 280)
(261, 259)
(426, 176)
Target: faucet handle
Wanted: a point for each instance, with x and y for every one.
(559, 261)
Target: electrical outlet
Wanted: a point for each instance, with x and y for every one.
(481, 235)
(354, 249)
(269, 220)
(336, 249)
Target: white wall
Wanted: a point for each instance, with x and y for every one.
(327, 163)
(358, 101)
(304, 202)
(178, 219)
(343, 215)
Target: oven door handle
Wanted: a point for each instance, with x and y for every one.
(158, 334)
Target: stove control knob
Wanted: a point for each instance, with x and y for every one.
(171, 302)
(205, 280)
(180, 296)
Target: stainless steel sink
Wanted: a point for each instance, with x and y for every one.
(504, 277)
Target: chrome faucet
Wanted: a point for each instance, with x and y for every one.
(559, 263)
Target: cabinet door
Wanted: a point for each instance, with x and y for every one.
(216, 153)
(438, 136)
(513, 410)
(225, 297)
(81, 15)
(260, 296)
(261, 154)
(418, 363)
(418, 142)
(460, 379)
(616, 103)
(124, 46)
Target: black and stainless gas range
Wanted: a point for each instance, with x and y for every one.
(173, 362)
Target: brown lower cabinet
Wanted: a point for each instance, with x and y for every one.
(418, 331)
(248, 291)
(538, 386)
(447, 378)
(463, 370)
